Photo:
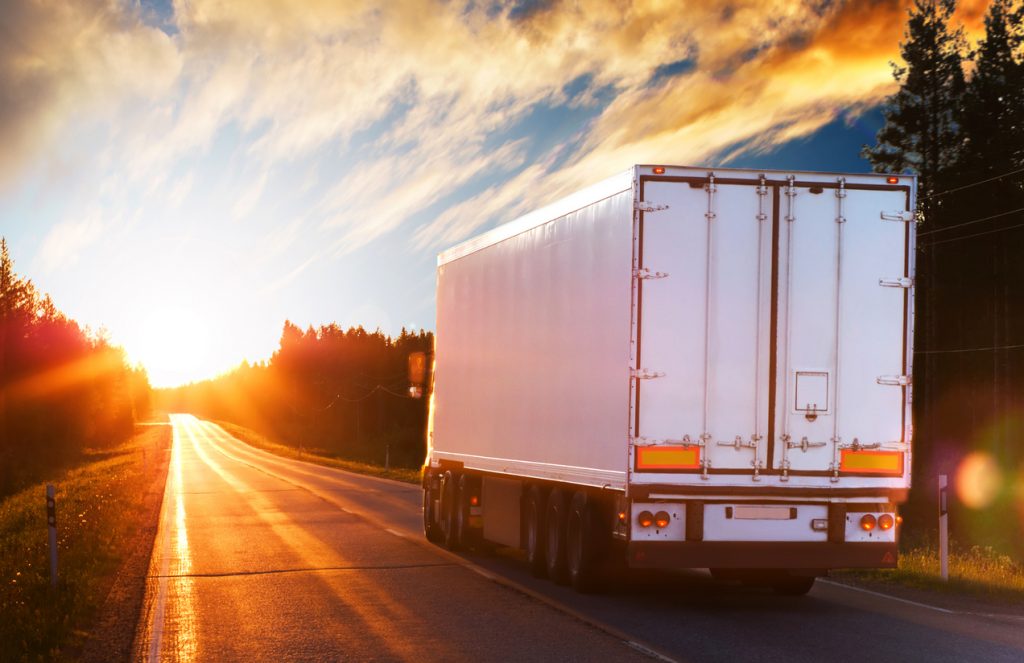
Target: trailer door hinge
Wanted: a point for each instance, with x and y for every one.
(644, 374)
(645, 273)
(899, 215)
(902, 282)
(894, 380)
(644, 206)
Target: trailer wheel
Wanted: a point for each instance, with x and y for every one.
(585, 543)
(535, 527)
(554, 533)
(431, 528)
(448, 508)
(791, 585)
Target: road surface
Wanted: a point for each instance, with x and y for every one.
(261, 558)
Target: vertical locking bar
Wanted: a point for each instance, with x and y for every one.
(710, 215)
(790, 228)
(762, 194)
(840, 222)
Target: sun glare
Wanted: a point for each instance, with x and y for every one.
(173, 344)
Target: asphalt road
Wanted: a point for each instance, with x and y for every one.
(261, 558)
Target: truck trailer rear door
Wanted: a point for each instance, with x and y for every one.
(703, 311)
(841, 325)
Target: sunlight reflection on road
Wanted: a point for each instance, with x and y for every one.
(170, 630)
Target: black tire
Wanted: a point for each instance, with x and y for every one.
(554, 534)
(431, 527)
(449, 494)
(586, 543)
(791, 585)
(533, 514)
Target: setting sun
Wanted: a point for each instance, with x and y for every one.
(174, 345)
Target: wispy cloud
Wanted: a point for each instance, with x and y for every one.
(327, 126)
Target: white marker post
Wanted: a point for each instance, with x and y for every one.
(51, 521)
(943, 530)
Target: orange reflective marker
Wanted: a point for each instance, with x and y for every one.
(667, 458)
(871, 462)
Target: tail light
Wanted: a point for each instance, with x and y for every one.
(886, 521)
(867, 522)
(662, 519)
(645, 519)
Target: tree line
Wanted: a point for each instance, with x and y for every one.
(63, 389)
(339, 392)
(957, 121)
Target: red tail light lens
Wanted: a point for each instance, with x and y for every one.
(662, 519)
(867, 522)
(645, 519)
(886, 521)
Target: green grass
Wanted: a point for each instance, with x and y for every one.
(975, 571)
(254, 439)
(99, 509)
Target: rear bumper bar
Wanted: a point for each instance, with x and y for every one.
(760, 555)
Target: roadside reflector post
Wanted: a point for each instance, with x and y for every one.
(387, 456)
(51, 521)
(943, 529)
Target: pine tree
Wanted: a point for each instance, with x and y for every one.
(921, 119)
(921, 136)
(992, 152)
(993, 116)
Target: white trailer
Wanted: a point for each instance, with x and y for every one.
(682, 368)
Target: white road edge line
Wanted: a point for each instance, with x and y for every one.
(157, 631)
(415, 537)
(398, 534)
(891, 597)
(648, 652)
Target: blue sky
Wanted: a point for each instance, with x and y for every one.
(189, 175)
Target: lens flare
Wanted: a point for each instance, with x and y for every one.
(978, 480)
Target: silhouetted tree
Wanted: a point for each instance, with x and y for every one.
(61, 389)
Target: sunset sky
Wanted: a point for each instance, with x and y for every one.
(190, 174)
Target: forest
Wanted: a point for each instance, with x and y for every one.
(957, 121)
(63, 389)
(342, 393)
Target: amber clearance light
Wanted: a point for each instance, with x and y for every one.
(659, 170)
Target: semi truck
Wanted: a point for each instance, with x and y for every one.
(679, 368)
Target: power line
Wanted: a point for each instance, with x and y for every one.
(987, 232)
(939, 194)
(970, 223)
(988, 349)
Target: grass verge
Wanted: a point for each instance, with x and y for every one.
(978, 572)
(100, 511)
(259, 441)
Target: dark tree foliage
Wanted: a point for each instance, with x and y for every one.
(964, 138)
(62, 390)
(344, 393)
